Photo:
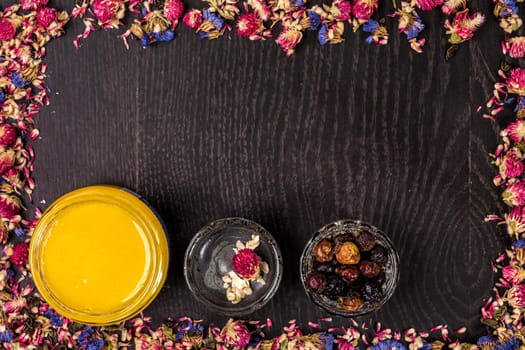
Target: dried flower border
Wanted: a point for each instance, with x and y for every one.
(26, 322)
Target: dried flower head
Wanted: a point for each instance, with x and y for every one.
(514, 47)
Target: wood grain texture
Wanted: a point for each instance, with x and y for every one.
(206, 130)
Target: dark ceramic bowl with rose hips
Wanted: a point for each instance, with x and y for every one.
(349, 268)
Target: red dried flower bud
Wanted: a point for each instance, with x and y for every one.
(8, 134)
(7, 29)
(9, 206)
(248, 24)
(246, 263)
(192, 19)
(7, 160)
(173, 10)
(20, 254)
(45, 16)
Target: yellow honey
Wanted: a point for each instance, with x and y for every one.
(99, 255)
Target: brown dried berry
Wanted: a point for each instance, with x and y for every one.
(348, 254)
(379, 254)
(366, 241)
(324, 251)
(350, 274)
(369, 269)
(316, 281)
(351, 302)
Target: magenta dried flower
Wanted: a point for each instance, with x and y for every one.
(516, 81)
(192, 19)
(288, 40)
(514, 47)
(173, 10)
(514, 194)
(516, 130)
(342, 10)
(235, 333)
(251, 26)
(246, 263)
(511, 165)
(7, 160)
(8, 135)
(7, 29)
(45, 16)
(450, 7)
(513, 274)
(108, 12)
(427, 5)
(20, 254)
(463, 26)
(516, 296)
(515, 221)
(364, 9)
(10, 206)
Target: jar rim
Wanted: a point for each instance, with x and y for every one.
(153, 235)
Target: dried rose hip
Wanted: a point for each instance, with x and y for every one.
(347, 237)
(325, 268)
(348, 254)
(351, 302)
(323, 251)
(379, 254)
(366, 241)
(369, 269)
(316, 281)
(350, 274)
(335, 287)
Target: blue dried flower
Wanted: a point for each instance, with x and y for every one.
(19, 231)
(370, 26)
(2, 97)
(217, 21)
(322, 35)
(315, 20)
(187, 327)
(54, 318)
(415, 29)
(17, 80)
(6, 336)
(84, 335)
(298, 3)
(511, 344)
(144, 40)
(388, 344)
(203, 35)
(520, 104)
(143, 11)
(95, 344)
(518, 244)
(167, 35)
(328, 340)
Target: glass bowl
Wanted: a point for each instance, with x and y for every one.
(351, 229)
(209, 257)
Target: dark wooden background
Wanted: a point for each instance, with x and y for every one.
(206, 130)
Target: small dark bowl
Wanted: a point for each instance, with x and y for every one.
(209, 257)
(343, 227)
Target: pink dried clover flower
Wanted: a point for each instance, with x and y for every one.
(7, 29)
(246, 263)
